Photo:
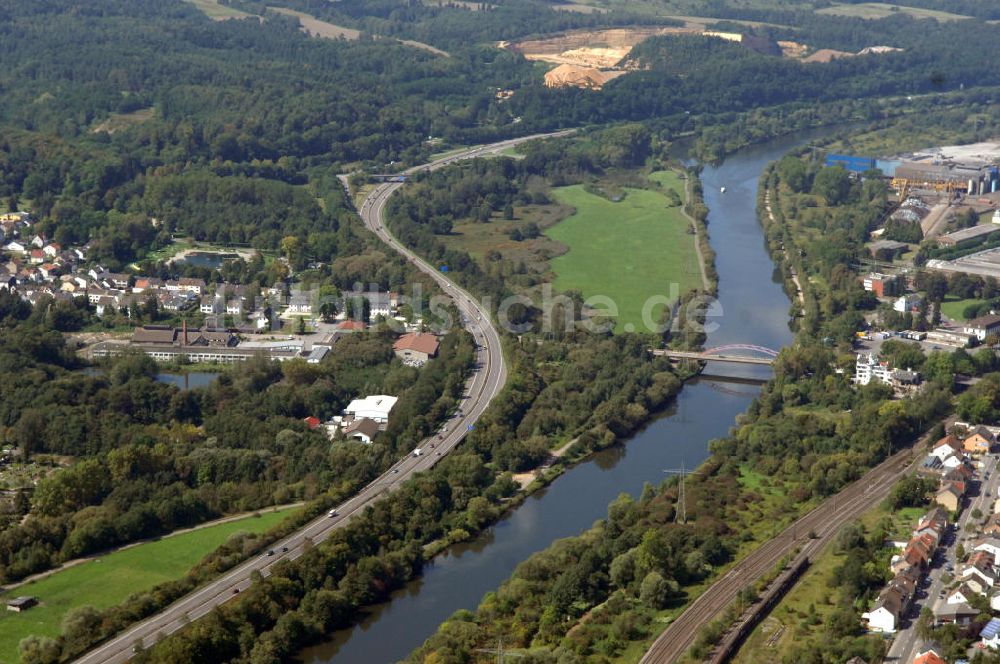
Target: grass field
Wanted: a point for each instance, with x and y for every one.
(217, 12)
(875, 10)
(952, 307)
(317, 28)
(629, 251)
(108, 580)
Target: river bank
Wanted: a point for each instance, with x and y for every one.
(753, 309)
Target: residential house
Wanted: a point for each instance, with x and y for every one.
(189, 284)
(949, 497)
(210, 304)
(936, 519)
(379, 303)
(979, 441)
(115, 280)
(953, 461)
(885, 614)
(146, 283)
(992, 526)
(299, 304)
(931, 465)
(978, 572)
(868, 367)
(990, 634)
(350, 326)
(312, 422)
(363, 429)
(962, 594)
(15, 247)
(983, 326)
(175, 302)
(990, 545)
(908, 303)
(917, 553)
(929, 656)
(52, 249)
(946, 447)
(416, 347)
(106, 305)
(959, 614)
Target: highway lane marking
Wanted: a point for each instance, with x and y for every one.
(321, 527)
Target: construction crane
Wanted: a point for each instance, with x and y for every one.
(901, 185)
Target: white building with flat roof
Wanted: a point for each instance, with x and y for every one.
(375, 407)
(868, 367)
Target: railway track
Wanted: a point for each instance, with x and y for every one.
(813, 531)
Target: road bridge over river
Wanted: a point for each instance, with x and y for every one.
(735, 353)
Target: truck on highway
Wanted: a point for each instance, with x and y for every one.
(417, 452)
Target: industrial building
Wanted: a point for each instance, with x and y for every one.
(985, 263)
(881, 284)
(375, 407)
(925, 172)
(968, 236)
(169, 344)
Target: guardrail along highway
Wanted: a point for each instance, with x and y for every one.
(483, 385)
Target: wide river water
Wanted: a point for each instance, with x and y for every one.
(754, 311)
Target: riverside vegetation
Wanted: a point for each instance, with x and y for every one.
(230, 132)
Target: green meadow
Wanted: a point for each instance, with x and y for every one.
(629, 250)
(108, 580)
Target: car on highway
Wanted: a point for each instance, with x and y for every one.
(333, 513)
(270, 552)
(284, 549)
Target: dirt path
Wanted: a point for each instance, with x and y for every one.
(101, 554)
(795, 276)
(697, 234)
(524, 479)
(315, 27)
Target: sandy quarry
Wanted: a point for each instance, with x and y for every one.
(567, 75)
(590, 58)
(600, 48)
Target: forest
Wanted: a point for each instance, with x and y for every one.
(127, 123)
(150, 458)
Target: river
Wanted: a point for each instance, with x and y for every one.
(754, 310)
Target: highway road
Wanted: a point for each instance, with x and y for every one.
(483, 385)
(823, 523)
